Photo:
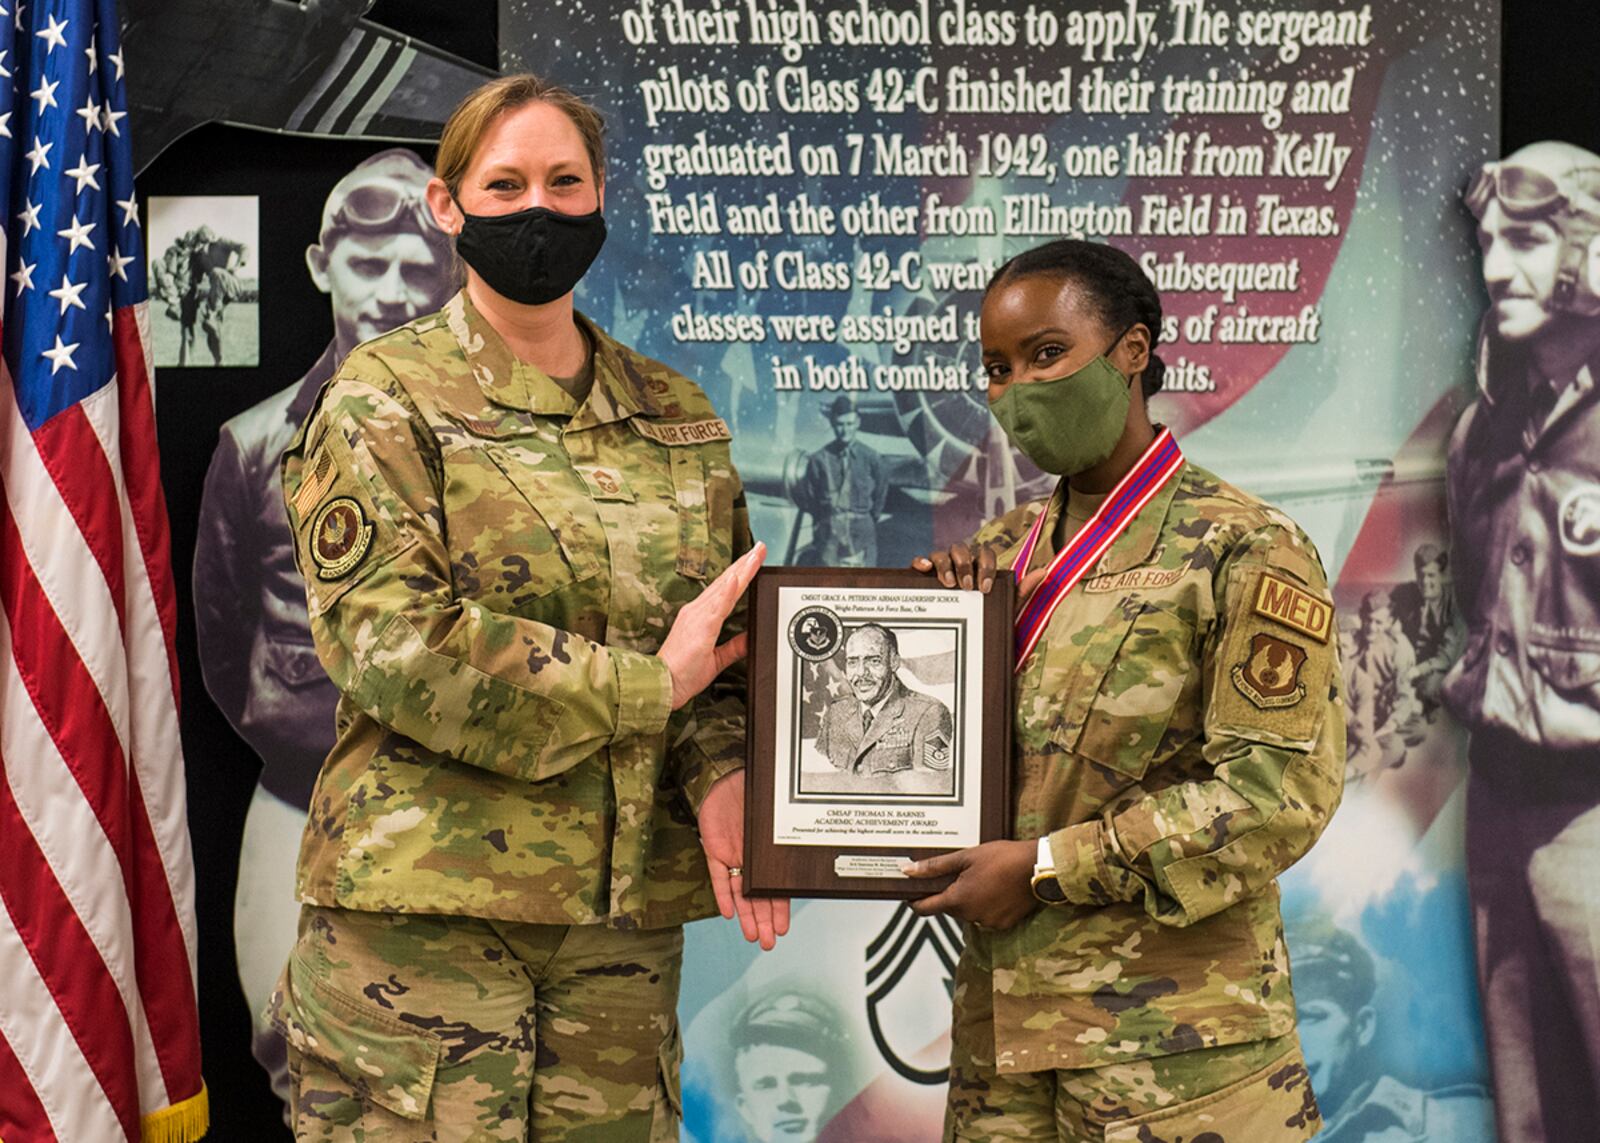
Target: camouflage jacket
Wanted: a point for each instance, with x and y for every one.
(489, 570)
(1179, 738)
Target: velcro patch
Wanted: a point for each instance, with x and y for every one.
(606, 483)
(1270, 675)
(685, 432)
(340, 537)
(1135, 579)
(319, 478)
(1282, 602)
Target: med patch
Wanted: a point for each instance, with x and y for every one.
(1297, 609)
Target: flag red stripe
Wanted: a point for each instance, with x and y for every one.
(22, 1116)
(64, 693)
(73, 712)
(72, 455)
(141, 468)
(162, 969)
(67, 960)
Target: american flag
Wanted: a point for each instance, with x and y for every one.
(99, 1036)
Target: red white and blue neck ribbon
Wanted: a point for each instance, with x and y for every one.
(1159, 464)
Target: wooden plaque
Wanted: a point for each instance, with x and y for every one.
(879, 728)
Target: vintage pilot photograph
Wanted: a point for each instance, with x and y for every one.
(204, 289)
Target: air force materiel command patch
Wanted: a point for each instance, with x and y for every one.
(1270, 677)
(1297, 609)
(340, 537)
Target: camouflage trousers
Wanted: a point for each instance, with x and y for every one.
(411, 1028)
(1243, 1093)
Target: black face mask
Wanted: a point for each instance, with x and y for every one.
(531, 256)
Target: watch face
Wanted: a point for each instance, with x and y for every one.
(1047, 889)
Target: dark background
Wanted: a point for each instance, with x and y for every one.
(1549, 90)
(292, 177)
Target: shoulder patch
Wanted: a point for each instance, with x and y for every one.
(340, 537)
(684, 432)
(1282, 602)
(1292, 561)
(1270, 675)
(319, 478)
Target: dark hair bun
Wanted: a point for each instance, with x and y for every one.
(1154, 376)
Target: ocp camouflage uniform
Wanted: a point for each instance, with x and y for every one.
(1179, 738)
(490, 570)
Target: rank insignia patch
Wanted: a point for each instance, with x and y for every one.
(1282, 602)
(1270, 677)
(340, 537)
(936, 753)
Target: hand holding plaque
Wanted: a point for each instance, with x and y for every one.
(879, 728)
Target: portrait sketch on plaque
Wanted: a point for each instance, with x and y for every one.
(875, 716)
(879, 696)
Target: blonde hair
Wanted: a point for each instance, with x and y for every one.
(471, 119)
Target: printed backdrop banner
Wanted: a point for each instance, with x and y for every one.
(805, 201)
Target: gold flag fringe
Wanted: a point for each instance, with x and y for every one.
(183, 1122)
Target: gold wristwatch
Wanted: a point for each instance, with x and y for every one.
(1046, 886)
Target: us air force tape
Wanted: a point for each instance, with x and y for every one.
(340, 537)
(684, 432)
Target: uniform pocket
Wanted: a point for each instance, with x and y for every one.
(346, 534)
(669, 1095)
(546, 540)
(694, 517)
(353, 1059)
(1134, 672)
(1272, 1105)
(1574, 671)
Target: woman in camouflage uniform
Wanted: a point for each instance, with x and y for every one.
(521, 542)
(1179, 743)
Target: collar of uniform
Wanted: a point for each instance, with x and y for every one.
(517, 385)
(310, 385)
(1138, 540)
(619, 390)
(1388, 1102)
(1045, 550)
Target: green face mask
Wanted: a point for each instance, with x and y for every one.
(1068, 424)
